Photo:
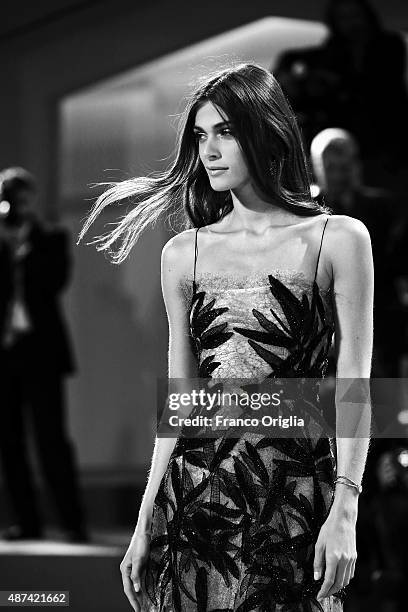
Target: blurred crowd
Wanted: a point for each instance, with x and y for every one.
(350, 97)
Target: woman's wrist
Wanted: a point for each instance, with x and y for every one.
(345, 502)
(346, 481)
(141, 532)
(144, 521)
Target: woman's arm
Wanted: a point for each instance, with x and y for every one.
(177, 254)
(348, 249)
(354, 288)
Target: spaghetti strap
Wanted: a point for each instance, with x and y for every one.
(318, 256)
(195, 260)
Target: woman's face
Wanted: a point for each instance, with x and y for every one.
(219, 150)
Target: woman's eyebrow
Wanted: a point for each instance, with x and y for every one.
(215, 126)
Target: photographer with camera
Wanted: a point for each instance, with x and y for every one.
(35, 357)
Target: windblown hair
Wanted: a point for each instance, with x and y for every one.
(265, 126)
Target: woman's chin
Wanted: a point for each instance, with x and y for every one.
(220, 186)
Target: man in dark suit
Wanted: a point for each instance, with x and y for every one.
(35, 357)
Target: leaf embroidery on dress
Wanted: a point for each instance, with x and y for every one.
(302, 332)
(204, 336)
(237, 519)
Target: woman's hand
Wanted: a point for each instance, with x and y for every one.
(335, 549)
(132, 568)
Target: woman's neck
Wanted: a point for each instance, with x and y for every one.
(253, 212)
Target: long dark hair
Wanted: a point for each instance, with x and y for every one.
(267, 131)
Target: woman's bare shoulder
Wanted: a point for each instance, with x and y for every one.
(178, 252)
(347, 240)
(342, 226)
(344, 230)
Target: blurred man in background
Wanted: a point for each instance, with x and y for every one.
(337, 168)
(356, 79)
(35, 357)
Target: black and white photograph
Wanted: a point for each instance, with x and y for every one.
(204, 306)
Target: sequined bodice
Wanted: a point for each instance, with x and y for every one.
(260, 325)
(263, 324)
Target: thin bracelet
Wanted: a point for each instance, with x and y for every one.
(348, 482)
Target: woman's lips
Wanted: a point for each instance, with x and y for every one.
(216, 171)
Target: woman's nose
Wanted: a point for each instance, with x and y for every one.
(210, 148)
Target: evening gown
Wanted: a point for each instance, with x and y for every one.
(235, 520)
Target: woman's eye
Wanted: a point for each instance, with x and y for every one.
(200, 136)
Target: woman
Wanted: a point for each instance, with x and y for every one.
(252, 523)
